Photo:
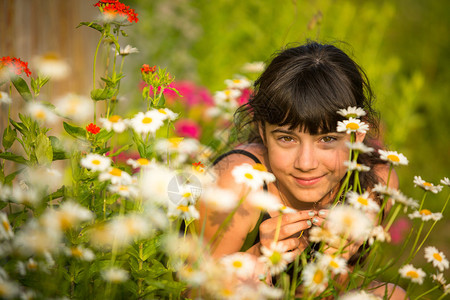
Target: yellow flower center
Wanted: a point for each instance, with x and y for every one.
(363, 201)
(32, 265)
(425, 212)
(123, 188)
(437, 256)
(50, 56)
(237, 81)
(248, 175)
(352, 126)
(162, 111)
(175, 141)
(183, 208)
(186, 195)
(427, 184)
(260, 167)
(65, 221)
(237, 264)
(227, 292)
(40, 114)
(76, 252)
(348, 220)
(143, 161)
(95, 162)
(6, 226)
(318, 277)
(412, 274)
(114, 119)
(333, 264)
(393, 158)
(147, 120)
(283, 207)
(227, 93)
(115, 172)
(351, 115)
(275, 258)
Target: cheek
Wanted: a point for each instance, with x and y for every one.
(334, 160)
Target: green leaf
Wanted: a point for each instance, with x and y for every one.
(13, 157)
(10, 177)
(44, 151)
(59, 152)
(22, 87)
(92, 25)
(161, 102)
(74, 131)
(124, 148)
(19, 126)
(103, 94)
(9, 136)
(104, 135)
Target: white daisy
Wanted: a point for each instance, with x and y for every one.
(125, 229)
(384, 190)
(264, 201)
(353, 165)
(68, 215)
(352, 112)
(275, 258)
(433, 255)
(404, 200)
(285, 209)
(360, 295)
(252, 176)
(148, 122)
(6, 231)
(414, 274)
(239, 263)
(379, 234)
(352, 125)
(393, 157)
(321, 234)
(26, 196)
(138, 163)
(238, 83)
(37, 239)
(116, 176)
(445, 181)
(115, 275)
(52, 65)
(154, 183)
(41, 113)
(127, 50)
(315, 278)
(80, 253)
(187, 212)
(167, 114)
(8, 289)
(95, 162)
(439, 278)
(124, 190)
(363, 202)
(254, 67)
(227, 98)
(336, 264)
(427, 186)
(5, 98)
(359, 146)
(425, 215)
(75, 107)
(114, 123)
(219, 199)
(183, 147)
(348, 221)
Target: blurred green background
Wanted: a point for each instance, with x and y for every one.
(402, 45)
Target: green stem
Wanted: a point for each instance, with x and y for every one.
(427, 292)
(393, 216)
(277, 230)
(411, 253)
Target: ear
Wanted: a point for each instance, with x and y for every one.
(360, 137)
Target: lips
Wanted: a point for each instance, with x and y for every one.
(307, 181)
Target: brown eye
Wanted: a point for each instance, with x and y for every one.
(328, 139)
(285, 139)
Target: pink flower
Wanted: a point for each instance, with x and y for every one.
(245, 96)
(399, 229)
(187, 128)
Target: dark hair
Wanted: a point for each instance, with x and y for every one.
(304, 87)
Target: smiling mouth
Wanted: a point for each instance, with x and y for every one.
(308, 181)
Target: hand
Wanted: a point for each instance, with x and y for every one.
(291, 227)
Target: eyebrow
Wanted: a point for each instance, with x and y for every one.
(292, 132)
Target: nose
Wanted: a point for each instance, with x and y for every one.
(306, 159)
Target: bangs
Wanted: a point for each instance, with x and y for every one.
(309, 102)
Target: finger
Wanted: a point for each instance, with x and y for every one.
(297, 216)
(318, 221)
(290, 244)
(286, 231)
(323, 213)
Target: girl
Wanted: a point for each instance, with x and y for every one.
(290, 128)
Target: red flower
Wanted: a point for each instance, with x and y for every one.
(199, 167)
(16, 65)
(146, 69)
(115, 7)
(92, 128)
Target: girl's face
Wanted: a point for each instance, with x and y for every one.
(308, 167)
